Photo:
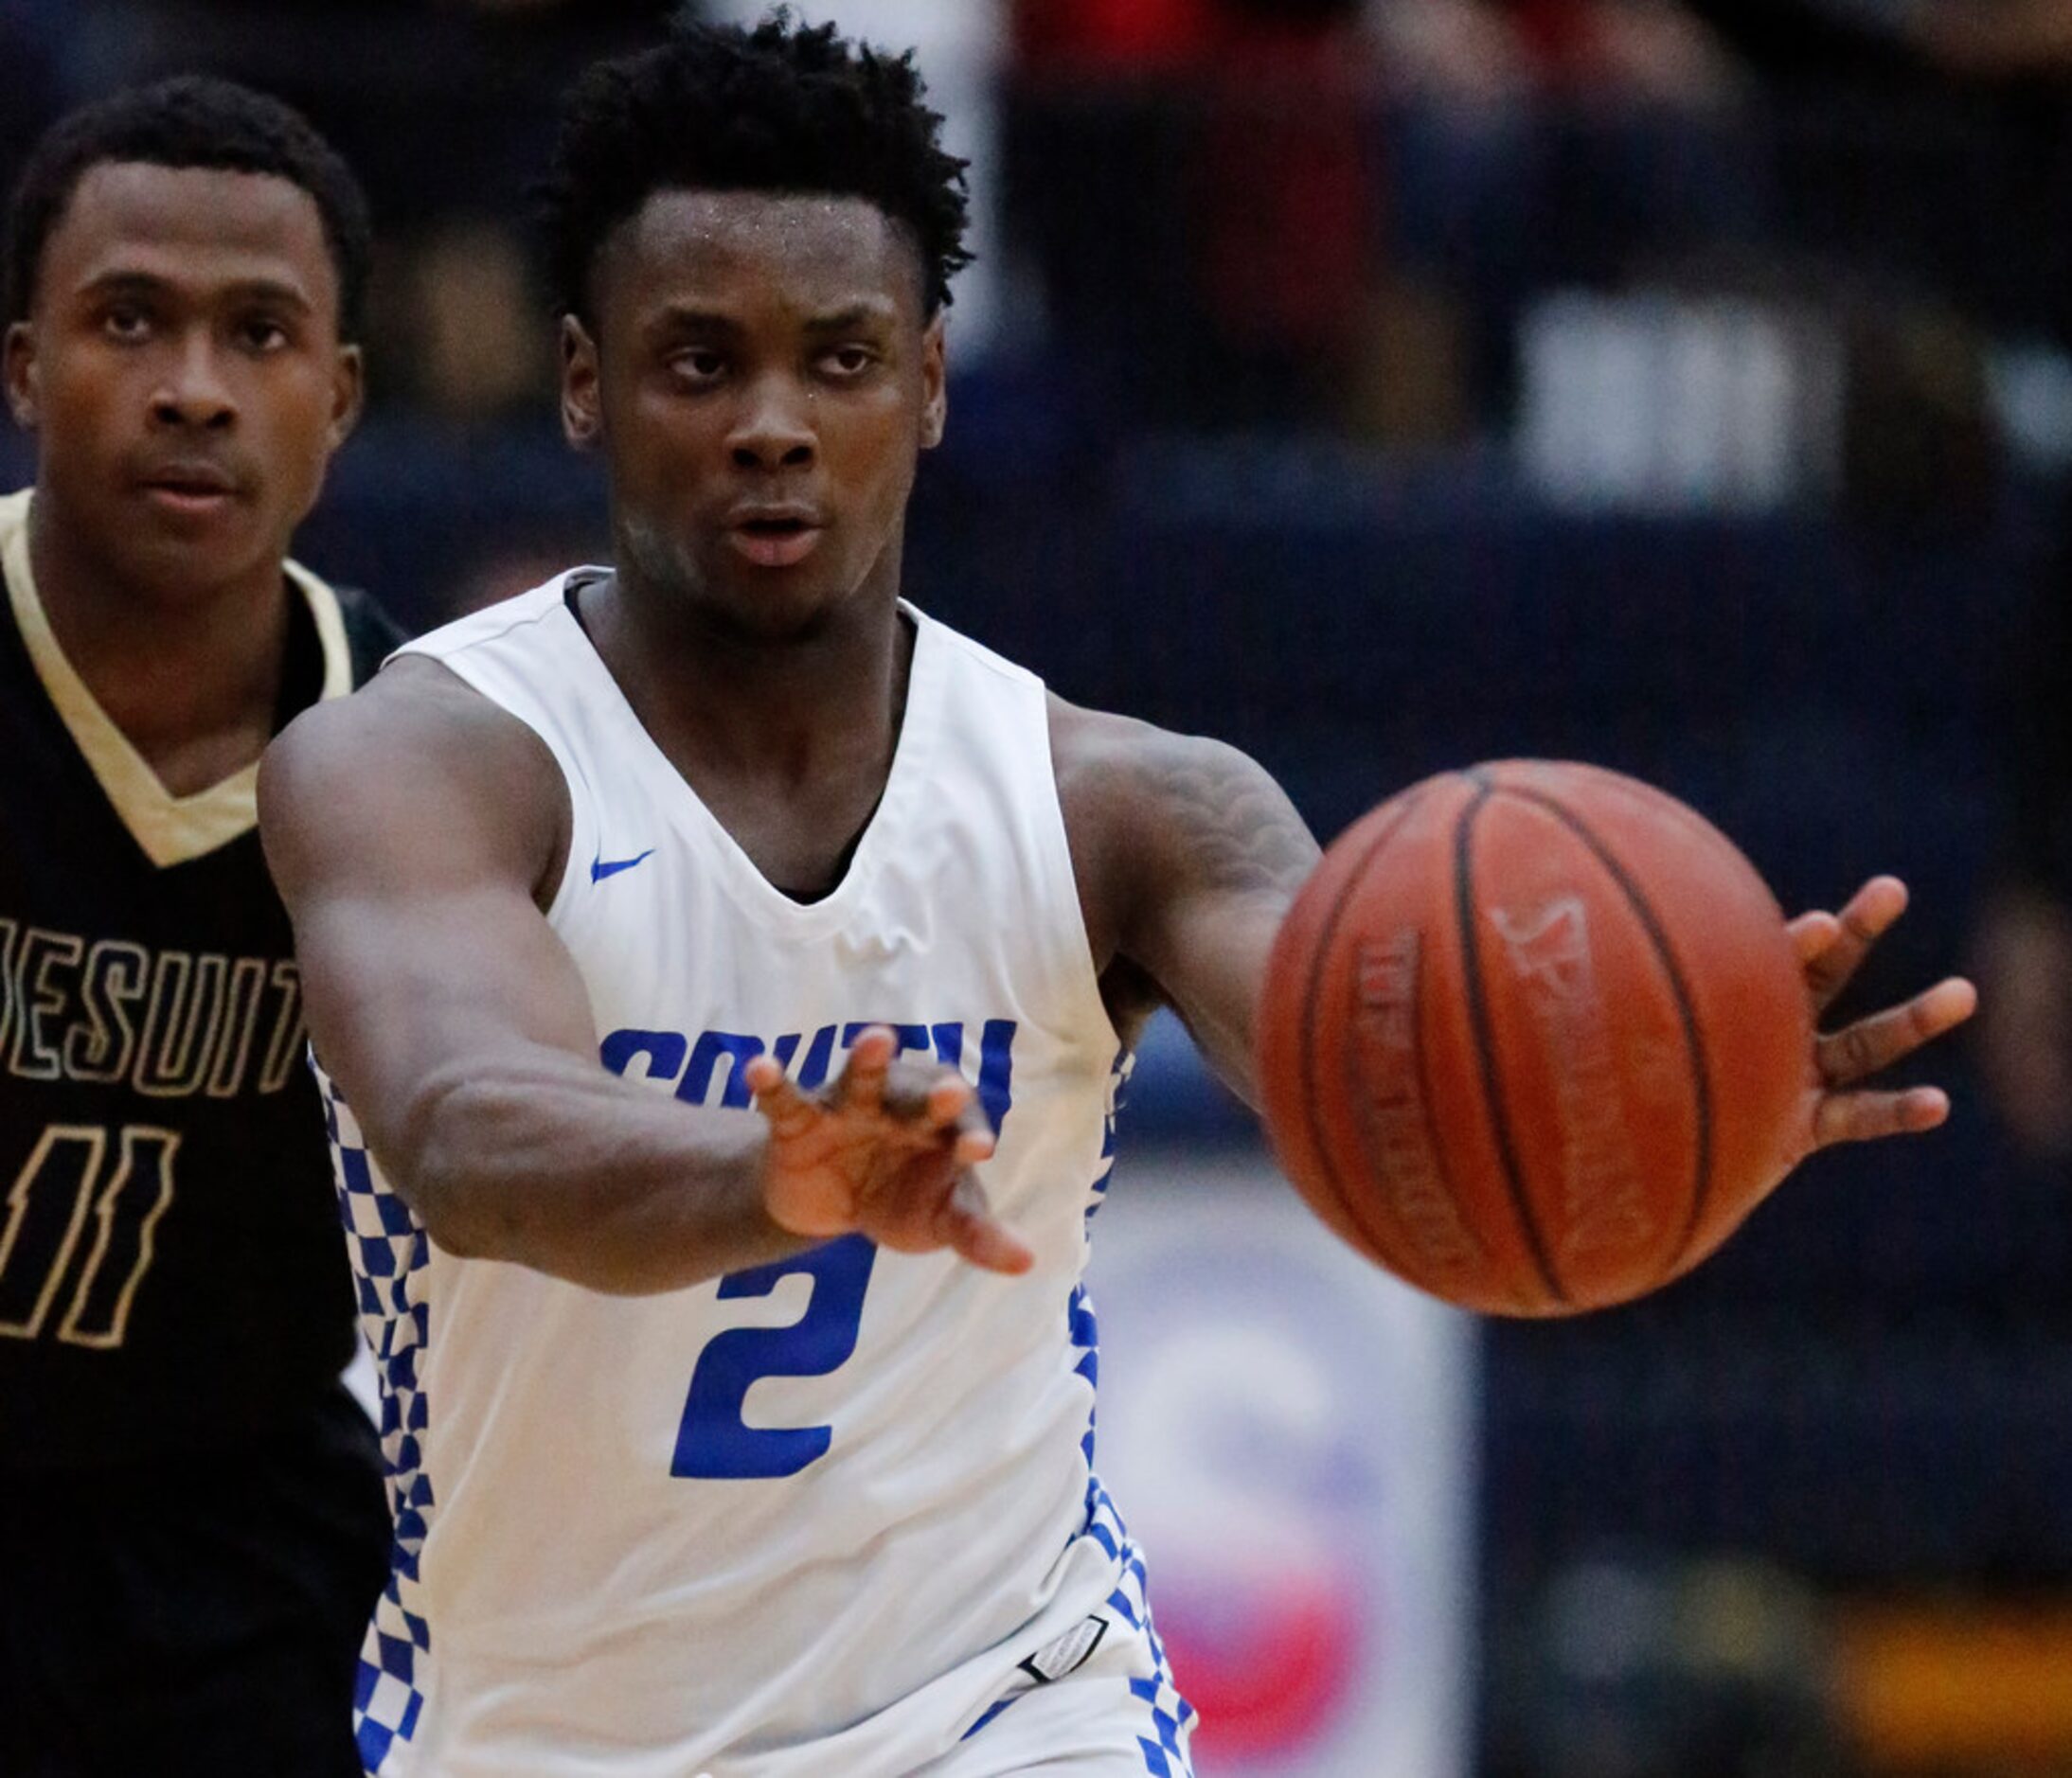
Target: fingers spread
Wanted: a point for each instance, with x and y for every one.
(1812, 933)
(1878, 1042)
(1867, 918)
(1875, 906)
(967, 1225)
(948, 1097)
(861, 1085)
(791, 1113)
(1868, 1116)
(954, 1108)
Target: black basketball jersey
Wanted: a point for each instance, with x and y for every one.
(171, 1271)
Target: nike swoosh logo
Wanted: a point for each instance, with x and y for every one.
(600, 870)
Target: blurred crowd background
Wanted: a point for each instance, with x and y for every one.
(1384, 384)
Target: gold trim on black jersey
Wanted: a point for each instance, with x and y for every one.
(170, 829)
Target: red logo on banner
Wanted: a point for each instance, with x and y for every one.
(1267, 1665)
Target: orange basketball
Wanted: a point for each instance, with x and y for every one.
(1533, 1038)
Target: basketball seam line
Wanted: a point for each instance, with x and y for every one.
(1685, 1013)
(1485, 1048)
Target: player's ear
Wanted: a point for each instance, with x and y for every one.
(935, 413)
(22, 380)
(582, 417)
(347, 393)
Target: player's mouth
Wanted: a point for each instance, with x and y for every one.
(190, 490)
(775, 536)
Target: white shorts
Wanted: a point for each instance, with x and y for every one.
(1113, 1715)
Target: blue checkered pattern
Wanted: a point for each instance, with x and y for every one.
(389, 1252)
(1080, 1322)
(1172, 1717)
(1165, 1749)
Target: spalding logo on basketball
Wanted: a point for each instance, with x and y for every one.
(1534, 1037)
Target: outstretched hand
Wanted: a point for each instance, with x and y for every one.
(884, 1151)
(1837, 1107)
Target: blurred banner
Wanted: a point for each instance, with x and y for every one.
(1289, 1435)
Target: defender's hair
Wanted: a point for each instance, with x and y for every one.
(780, 108)
(191, 121)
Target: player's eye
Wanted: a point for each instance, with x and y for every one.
(849, 361)
(125, 322)
(698, 365)
(262, 334)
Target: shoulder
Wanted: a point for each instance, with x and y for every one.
(414, 756)
(416, 725)
(1151, 816)
(538, 620)
(1116, 770)
(972, 654)
(415, 719)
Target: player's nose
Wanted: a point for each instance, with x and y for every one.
(773, 429)
(192, 389)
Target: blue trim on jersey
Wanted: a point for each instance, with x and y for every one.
(388, 1247)
(1171, 1716)
(1081, 1326)
(1165, 1757)
(992, 1711)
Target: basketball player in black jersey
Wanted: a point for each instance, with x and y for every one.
(191, 1521)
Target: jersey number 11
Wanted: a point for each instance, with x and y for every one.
(59, 1186)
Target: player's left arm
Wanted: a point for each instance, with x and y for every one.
(1187, 856)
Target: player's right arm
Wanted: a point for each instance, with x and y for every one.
(416, 832)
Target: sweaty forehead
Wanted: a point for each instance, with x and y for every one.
(192, 227)
(811, 255)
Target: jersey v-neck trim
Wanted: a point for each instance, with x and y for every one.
(745, 883)
(169, 829)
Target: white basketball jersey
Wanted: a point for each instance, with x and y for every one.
(802, 1521)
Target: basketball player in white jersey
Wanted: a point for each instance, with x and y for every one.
(762, 1445)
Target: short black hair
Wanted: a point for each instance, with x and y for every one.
(782, 108)
(193, 120)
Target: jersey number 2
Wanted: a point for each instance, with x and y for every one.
(45, 1216)
(713, 1442)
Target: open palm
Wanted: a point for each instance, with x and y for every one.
(886, 1152)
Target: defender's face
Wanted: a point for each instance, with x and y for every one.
(762, 380)
(181, 370)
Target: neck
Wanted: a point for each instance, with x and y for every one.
(191, 677)
(782, 705)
